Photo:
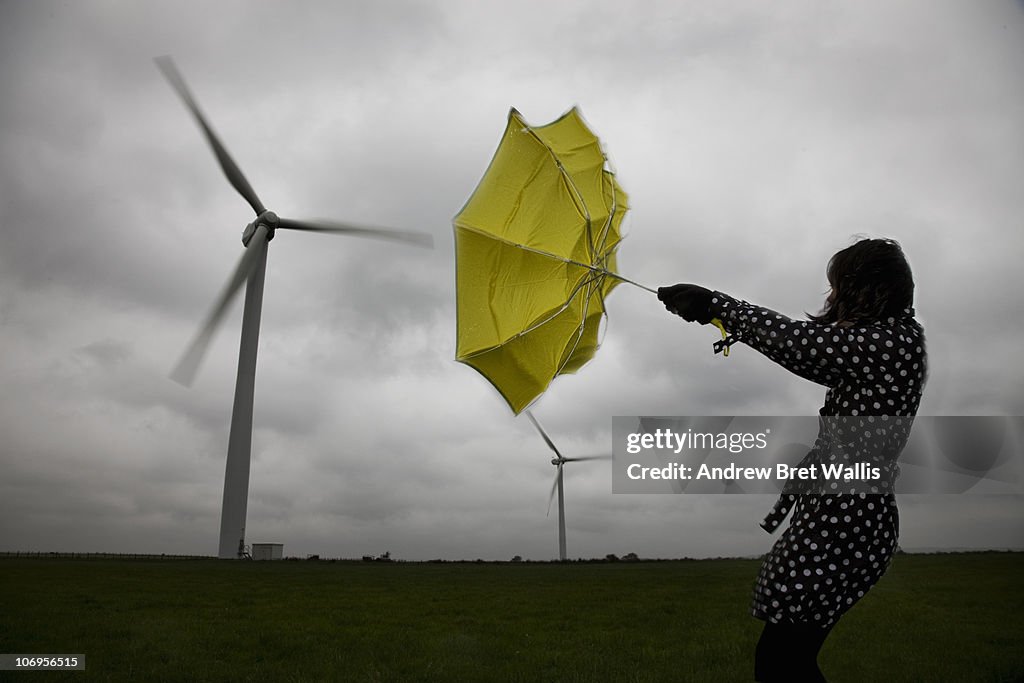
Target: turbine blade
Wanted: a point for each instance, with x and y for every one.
(420, 239)
(544, 434)
(589, 457)
(554, 487)
(227, 164)
(185, 371)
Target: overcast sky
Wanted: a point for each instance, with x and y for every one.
(755, 140)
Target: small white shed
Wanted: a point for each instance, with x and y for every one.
(267, 551)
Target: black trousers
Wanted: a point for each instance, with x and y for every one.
(789, 652)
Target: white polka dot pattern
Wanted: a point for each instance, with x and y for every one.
(837, 545)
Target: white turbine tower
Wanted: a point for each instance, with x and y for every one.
(251, 270)
(559, 461)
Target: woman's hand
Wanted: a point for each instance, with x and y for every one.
(690, 302)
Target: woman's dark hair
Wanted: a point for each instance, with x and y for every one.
(870, 280)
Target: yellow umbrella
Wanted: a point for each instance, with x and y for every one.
(535, 254)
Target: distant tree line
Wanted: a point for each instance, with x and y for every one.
(103, 556)
(386, 557)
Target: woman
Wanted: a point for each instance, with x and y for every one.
(868, 350)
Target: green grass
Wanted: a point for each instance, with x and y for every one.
(931, 618)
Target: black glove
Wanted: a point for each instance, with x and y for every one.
(690, 302)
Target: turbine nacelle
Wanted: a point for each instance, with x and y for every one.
(268, 219)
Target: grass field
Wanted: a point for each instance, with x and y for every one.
(931, 618)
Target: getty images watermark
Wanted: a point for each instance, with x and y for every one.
(818, 455)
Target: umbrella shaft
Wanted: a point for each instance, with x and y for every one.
(626, 279)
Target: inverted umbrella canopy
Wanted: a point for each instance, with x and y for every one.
(535, 257)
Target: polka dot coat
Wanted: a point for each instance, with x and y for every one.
(840, 540)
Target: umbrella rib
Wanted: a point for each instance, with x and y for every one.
(581, 205)
(561, 309)
(541, 252)
(563, 259)
(611, 214)
(577, 196)
(579, 330)
(604, 307)
(599, 248)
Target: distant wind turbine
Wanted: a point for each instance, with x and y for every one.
(559, 461)
(250, 270)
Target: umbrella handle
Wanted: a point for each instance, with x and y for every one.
(719, 346)
(722, 345)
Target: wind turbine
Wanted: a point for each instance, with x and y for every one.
(251, 271)
(559, 461)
